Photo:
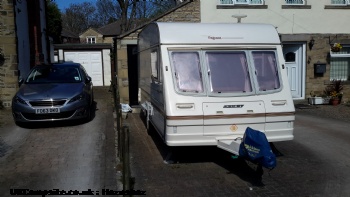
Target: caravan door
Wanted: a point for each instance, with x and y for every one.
(157, 95)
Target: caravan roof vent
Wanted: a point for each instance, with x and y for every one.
(239, 17)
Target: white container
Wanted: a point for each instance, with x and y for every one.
(315, 100)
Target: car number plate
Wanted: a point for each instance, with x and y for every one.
(47, 110)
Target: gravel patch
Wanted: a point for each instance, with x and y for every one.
(338, 112)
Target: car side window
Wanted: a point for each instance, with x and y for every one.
(83, 72)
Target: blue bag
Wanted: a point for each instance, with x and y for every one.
(256, 148)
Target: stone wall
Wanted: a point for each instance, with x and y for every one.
(108, 40)
(320, 53)
(187, 13)
(90, 33)
(8, 50)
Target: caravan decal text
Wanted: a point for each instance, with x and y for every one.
(233, 106)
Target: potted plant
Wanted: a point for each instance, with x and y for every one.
(334, 90)
(336, 47)
(334, 98)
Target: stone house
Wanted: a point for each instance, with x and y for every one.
(93, 52)
(307, 30)
(103, 34)
(23, 42)
(69, 37)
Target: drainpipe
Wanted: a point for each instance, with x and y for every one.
(115, 83)
(37, 59)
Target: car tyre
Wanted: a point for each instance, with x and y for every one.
(88, 116)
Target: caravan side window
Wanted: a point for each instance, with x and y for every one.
(228, 72)
(266, 70)
(154, 64)
(187, 71)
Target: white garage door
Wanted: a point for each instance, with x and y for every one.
(92, 62)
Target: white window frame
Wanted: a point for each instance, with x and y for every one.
(334, 2)
(290, 2)
(342, 54)
(91, 39)
(243, 2)
(239, 2)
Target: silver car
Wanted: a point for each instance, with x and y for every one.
(62, 91)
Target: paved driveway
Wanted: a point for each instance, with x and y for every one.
(316, 163)
(65, 156)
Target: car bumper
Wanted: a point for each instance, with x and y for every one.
(23, 113)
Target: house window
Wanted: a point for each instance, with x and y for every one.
(295, 2)
(340, 2)
(290, 57)
(340, 64)
(241, 2)
(91, 40)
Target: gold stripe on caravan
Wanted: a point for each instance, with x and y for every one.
(184, 117)
(235, 116)
(281, 114)
(230, 116)
(222, 116)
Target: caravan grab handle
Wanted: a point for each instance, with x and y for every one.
(278, 103)
(185, 106)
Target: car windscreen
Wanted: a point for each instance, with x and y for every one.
(54, 75)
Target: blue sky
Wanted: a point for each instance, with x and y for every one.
(62, 4)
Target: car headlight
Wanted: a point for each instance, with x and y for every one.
(17, 99)
(78, 98)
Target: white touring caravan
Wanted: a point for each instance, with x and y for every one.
(204, 84)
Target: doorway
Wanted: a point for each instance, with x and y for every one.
(133, 74)
(295, 65)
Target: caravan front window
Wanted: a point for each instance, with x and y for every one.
(187, 71)
(266, 70)
(228, 72)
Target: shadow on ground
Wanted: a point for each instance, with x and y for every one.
(246, 170)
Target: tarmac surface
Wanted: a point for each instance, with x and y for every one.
(67, 156)
(338, 112)
(315, 163)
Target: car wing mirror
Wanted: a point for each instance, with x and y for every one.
(20, 81)
(88, 79)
